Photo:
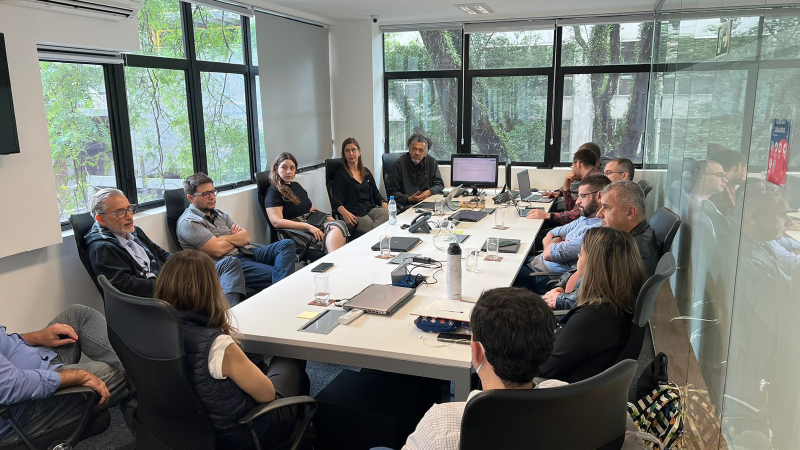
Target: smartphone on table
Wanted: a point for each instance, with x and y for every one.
(322, 267)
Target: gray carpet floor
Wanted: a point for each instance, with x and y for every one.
(320, 374)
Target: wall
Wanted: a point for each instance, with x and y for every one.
(23, 29)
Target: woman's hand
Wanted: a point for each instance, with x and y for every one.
(348, 217)
(313, 208)
(314, 231)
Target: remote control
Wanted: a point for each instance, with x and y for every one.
(351, 316)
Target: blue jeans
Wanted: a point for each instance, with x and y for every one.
(269, 264)
(231, 278)
(42, 416)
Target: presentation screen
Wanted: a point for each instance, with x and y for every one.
(474, 171)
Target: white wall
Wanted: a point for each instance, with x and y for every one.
(36, 207)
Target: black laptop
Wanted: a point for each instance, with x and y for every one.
(466, 215)
(400, 244)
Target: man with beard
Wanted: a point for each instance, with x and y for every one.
(562, 244)
(415, 175)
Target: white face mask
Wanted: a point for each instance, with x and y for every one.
(478, 369)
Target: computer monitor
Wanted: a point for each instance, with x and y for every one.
(474, 171)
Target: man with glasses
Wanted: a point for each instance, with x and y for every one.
(129, 259)
(415, 175)
(207, 229)
(619, 169)
(562, 244)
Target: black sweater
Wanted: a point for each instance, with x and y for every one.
(357, 198)
(588, 341)
(108, 257)
(408, 178)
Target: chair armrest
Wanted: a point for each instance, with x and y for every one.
(546, 274)
(265, 408)
(83, 390)
(560, 312)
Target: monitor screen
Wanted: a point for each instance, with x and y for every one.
(474, 171)
(9, 141)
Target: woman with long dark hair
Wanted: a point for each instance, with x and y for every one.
(225, 380)
(288, 207)
(354, 193)
(592, 335)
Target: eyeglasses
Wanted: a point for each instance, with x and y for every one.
(720, 175)
(122, 213)
(584, 196)
(609, 172)
(207, 194)
(351, 150)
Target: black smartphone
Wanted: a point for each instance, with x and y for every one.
(454, 337)
(322, 267)
(507, 243)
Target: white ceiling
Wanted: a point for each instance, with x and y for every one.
(421, 11)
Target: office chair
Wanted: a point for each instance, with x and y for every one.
(176, 203)
(646, 186)
(389, 160)
(262, 185)
(665, 223)
(331, 167)
(147, 335)
(645, 302)
(69, 434)
(81, 224)
(516, 419)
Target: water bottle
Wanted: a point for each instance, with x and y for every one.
(454, 272)
(392, 211)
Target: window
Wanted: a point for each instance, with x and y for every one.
(225, 118)
(509, 50)
(509, 117)
(80, 137)
(160, 134)
(594, 45)
(422, 50)
(217, 35)
(160, 31)
(424, 105)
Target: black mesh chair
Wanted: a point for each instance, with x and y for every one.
(69, 434)
(665, 223)
(389, 160)
(176, 203)
(331, 167)
(262, 184)
(147, 335)
(81, 224)
(535, 418)
(646, 186)
(645, 302)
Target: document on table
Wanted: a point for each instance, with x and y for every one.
(447, 309)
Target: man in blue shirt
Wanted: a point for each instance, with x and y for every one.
(33, 366)
(562, 244)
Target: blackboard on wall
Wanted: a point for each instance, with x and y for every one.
(9, 139)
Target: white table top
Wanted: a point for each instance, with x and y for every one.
(271, 315)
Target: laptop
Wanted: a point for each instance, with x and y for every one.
(524, 211)
(525, 193)
(380, 299)
(399, 244)
(447, 200)
(466, 215)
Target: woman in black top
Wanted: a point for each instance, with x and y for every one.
(354, 193)
(288, 208)
(592, 335)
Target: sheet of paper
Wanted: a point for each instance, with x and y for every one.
(447, 309)
(307, 315)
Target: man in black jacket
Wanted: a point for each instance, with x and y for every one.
(130, 260)
(415, 175)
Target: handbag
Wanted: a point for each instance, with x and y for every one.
(317, 218)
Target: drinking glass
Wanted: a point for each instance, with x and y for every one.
(492, 248)
(438, 207)
(499, 218)
(322, 292)
(472, 259)
(386, 247)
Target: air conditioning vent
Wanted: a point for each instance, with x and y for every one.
(115, 10)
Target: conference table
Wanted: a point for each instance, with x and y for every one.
(268, 322)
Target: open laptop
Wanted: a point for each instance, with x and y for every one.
(447, 200)
(380, 299)
(525, 193)
(399, 244)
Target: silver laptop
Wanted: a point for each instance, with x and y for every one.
(380, 299)
(447, 200)
(524, 182)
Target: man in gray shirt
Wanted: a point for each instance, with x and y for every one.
(415, 175)
(203, 227)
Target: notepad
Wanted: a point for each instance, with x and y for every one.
(307, 315)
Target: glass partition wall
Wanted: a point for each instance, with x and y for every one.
(724, 82)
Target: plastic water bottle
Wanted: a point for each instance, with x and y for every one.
(392, 211)
(454, 272)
